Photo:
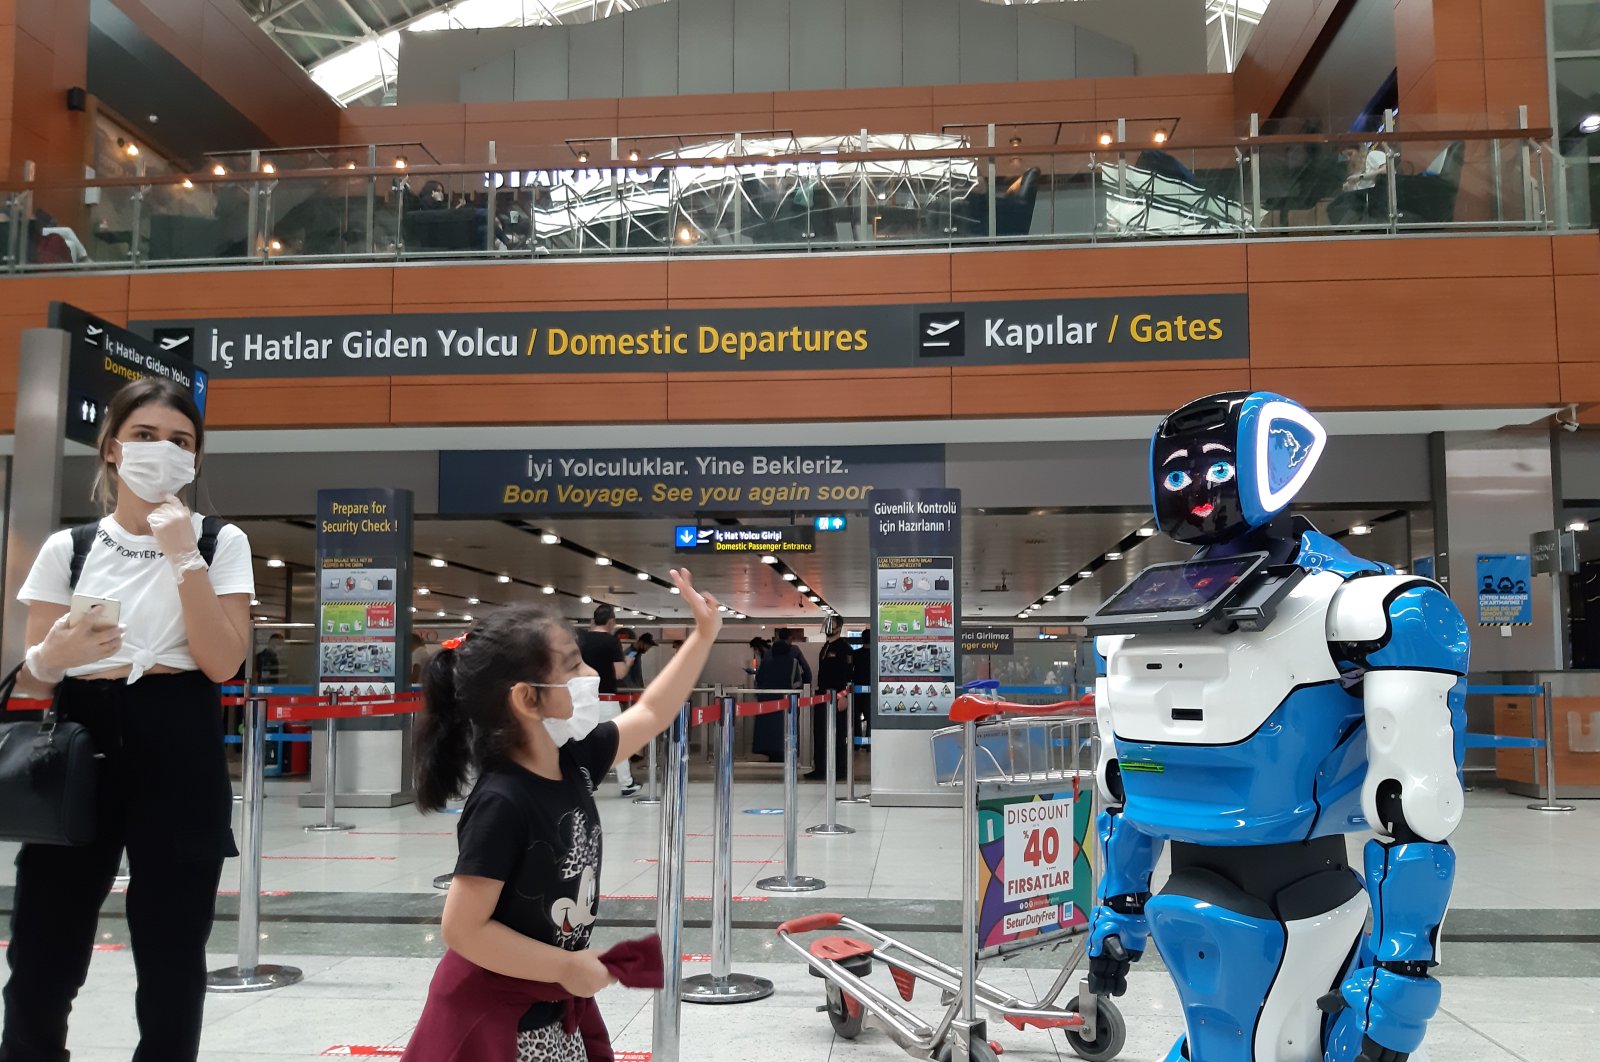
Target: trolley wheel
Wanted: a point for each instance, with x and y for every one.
(1111, 1032)
(980, 1052)
(846, 1019)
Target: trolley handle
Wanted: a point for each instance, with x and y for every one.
(970, 709)
(810, 923)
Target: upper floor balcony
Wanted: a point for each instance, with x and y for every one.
(774, 192)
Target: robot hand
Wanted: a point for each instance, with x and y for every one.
(1392, 1008)
(1116, 941)
(1372, 1051)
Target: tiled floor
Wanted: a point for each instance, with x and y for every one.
(359, 921)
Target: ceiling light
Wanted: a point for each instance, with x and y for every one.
(1049, 597)
(722, 608)
(549, 589)
(789, 577)
(673, 590)
(644, 577)
(441, 613)
(466, 617)
(1578, 525)
(400, 162)
(1084, 575)
(586, 599)
(275, 245)
(439, 562)
(583, 156)
(686, 235)
(423, 591)
(550, 538)
(413, 609)
(604, 562)
(219, 170)
(1361, 529)
(1160, 137)
(1105, 139)
(1016, 141)
(267, 167)
(503, 579)
(1400, 571)
(1146, 532)
(1590, 124)
(473, 601)
(633, 156)
(274, 562)
(815, 600)
(133, 151)
(1064, 587)
(186, 183)
(254, 602)
(1022, 615)
(1114, 555)
(769, 559)
(803, 588)
(350, 165)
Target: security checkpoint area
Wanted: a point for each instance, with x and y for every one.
(948, 840)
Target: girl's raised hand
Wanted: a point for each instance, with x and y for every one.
(707, 616)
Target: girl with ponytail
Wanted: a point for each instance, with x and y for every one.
(513, 703)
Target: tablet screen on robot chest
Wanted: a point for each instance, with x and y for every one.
(1176, 596)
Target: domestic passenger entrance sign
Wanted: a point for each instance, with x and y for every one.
(104, 358)
(363, 591)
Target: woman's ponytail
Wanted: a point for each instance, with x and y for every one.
(444, 736)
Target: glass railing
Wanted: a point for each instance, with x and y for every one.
(929, 190)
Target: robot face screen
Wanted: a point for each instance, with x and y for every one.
(1197, 485)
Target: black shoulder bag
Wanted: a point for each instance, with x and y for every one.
(48, 773)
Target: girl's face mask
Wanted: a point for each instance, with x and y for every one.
(585, 693)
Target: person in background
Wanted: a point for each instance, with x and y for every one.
(759, 648)
(269, 665)
(602, 653)
(641, 645)
(861, 703)
(514, 702)
(793, 638)
(779, 672)
(835, 673)
(419, 658)
(148, 694)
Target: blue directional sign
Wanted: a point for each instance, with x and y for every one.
(685, 537)
(829, 523)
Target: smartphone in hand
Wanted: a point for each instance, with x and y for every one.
(98, 609)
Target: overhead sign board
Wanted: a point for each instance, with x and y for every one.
(916, 606)
(986, 641)
(761, 339)
(104, 358)
(679, 481)
(690, 539)
(363, 590)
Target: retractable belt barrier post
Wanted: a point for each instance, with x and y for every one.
(668, 1014)
(721, 985)
(330, 776)
(1545, 710)
(249, 975)
(850, 754)
(789, 881)
(1549, 803)
(652, 792)
(831, 828)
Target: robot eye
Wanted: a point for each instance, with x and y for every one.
(1177, 479)
(1220, 472)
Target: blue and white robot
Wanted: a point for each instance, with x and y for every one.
(1259, 702)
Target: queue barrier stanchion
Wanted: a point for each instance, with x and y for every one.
(667, 1016)
(330, 775)
(721, 985)
(789, 881)
(250, 975)
(1545, 697)
(652, 792)
(831, 828)
(1549, 803)
(850, 756)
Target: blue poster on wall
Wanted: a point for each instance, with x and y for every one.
(1504, 591)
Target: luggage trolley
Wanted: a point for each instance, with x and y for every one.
(1028, 833)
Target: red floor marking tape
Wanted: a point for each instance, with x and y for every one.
(362, 1051)
(633, 1056)
(736, 899)
(338, 859)
(696, 958)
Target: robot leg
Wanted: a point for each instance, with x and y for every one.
(1248, 981)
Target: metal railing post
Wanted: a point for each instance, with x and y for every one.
(1255, 172)
(789, 881)
(721, 985)
(1549, 802)
(330, 776)
(372, 199)
(652, 793)
(850, 754)
(1391, 159)
(249, 975)
(668, 1011)
(831, 827)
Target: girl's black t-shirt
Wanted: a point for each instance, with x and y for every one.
(541, 838)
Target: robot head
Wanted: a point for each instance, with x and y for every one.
(1225, 464)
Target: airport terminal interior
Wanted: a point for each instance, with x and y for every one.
(1142, 456)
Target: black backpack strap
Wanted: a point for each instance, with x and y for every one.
(210, 528)
(82, 543)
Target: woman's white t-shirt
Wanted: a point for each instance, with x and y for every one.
(132, 569)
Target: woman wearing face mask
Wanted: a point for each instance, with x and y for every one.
(513, 702)
(148, 693)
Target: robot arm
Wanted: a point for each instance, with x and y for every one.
(1117, 926)
(1412, 798)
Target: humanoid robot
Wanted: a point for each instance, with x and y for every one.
(1260, 702)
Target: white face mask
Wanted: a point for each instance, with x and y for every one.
(585, 693)
(155, 470)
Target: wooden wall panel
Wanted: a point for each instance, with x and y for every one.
(1017, 273)
(1276, 51)
(436, 400)
(1415, 386)
(1575, 254)
(1580, 383)
(1090, 390)
(1512, 29)
(797, 280)
(333, 402)
(1578, 318)
(1512, 256)
(262, 292)
(1421, 321)
(534, 286)
(804, 396)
